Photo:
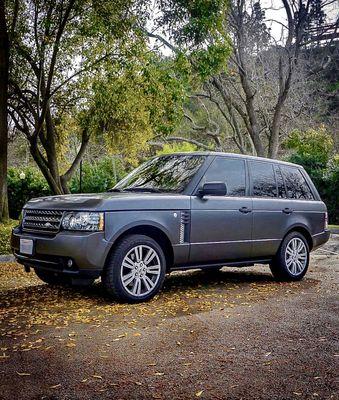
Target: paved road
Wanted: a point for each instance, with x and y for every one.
(235, 334)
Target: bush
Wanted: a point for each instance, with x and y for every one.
(99, 176)
(27, 183)
(24, 184)
(314, 150)
(5, 236)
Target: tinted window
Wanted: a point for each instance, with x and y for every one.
(230, 171)
(263, 179)
(170, 173)
(296, 186)
(280, 183)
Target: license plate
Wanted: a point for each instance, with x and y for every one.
(26, 246)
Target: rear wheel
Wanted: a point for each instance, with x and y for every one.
(135, 270)
(292, 259)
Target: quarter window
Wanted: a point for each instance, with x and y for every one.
(228, 170)
(263, 179)
(296, 185)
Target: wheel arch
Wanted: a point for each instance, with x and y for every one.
(154, 232)
(304, 231)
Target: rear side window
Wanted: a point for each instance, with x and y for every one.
(230, 171)
(296, 185)
(262, 179)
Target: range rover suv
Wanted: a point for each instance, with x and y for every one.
(179, 211)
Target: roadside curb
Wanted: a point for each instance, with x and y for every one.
(6, 258)
(335, 231)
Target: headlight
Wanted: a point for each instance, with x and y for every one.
(21, 217)
(83, 221)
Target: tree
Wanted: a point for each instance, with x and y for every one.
(47, 81)
(4, 67)
(44, 73)
(266, 84)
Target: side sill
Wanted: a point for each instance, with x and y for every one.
(243, 263)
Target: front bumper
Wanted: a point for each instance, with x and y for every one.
(320, 238)
(87, 250)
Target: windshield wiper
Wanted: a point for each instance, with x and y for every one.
(115, 190)
(142, 189)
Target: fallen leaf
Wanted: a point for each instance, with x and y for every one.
(55, 386)
(97, 376)
(198, 394)
(23, 373)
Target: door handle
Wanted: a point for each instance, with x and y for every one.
(287, 210)
(245, 210)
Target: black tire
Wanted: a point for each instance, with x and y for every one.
(279, 266)
(52, 278)
(112, 274)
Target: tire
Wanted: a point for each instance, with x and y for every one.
(51, 278)
(135, 270)
(292, 259)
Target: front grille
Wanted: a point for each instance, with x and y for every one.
(47, 221)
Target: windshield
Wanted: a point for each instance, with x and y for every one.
(170, 173)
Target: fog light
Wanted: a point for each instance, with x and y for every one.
(70, 263)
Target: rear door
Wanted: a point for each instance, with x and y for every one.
(271, 210)
(221, 225)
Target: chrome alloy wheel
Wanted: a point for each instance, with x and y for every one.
(140, 270)
(296, 256)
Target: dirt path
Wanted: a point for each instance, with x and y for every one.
(235, 334)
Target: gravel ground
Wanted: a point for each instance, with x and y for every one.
(233, 334)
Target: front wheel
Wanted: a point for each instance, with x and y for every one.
(292, 259)
(136, 269)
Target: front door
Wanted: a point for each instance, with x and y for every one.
(221, 226)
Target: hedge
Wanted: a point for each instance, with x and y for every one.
(27, 183)
(5, 235)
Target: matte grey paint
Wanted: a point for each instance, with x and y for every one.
(235, 230)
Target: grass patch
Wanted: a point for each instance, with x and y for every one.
(333, 226)
(5, 235)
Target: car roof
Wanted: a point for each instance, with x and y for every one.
(233, 155)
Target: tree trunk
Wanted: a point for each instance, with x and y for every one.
(4, 66)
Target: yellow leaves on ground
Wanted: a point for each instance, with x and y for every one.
(29, 307)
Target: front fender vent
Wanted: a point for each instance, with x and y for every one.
(185, 219)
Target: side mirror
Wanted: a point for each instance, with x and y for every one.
(213, 189)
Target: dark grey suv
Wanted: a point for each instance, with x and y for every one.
(176, 211)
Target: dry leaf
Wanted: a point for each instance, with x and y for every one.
(55, 386)
(198, 394)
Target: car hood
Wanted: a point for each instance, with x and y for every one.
(111, 202)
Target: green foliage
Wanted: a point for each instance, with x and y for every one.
(193, 22)
(133, 102)
(176, 148)
(314, 150)
(209, 61)
(5, 235)
(314, 147)
(99, 176)
(96, 177)
(21, 189)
